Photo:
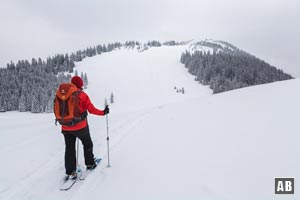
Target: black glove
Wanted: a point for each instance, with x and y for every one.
(106, 110)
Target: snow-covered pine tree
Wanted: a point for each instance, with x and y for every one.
(83, 79)
(50, 103)
(28, 101)
(35, 106)
(112, 98)
(44, 98)
(22, 103)
(86, 79)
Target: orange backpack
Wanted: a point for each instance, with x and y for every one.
(66, 105)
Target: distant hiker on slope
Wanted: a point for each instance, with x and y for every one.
(70, 107)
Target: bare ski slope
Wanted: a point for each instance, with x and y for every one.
(164, 145)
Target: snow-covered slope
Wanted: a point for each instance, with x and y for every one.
(140, 80)
(164, 145)
(209, 45)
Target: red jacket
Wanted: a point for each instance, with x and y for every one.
(85, 104)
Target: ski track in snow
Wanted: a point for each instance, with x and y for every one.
(122, 129)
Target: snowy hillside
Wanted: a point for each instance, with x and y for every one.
(164, 144)
(209, 45)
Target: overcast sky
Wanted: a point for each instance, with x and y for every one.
(268, 29)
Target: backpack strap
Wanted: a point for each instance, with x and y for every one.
(85, 113)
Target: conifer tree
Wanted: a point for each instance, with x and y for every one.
(112, 98)
(22, 103)
(35, 106)
(86, 79)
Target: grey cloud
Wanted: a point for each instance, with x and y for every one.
(268, 29)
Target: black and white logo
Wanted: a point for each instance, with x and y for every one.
(284, 185)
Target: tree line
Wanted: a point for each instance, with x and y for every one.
(230, 69)
(31, 85)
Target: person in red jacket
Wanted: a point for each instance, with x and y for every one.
(81, 131)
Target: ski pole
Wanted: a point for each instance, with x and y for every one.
(77, 152)
(107, 138)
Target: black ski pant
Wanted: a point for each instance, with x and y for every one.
(70, 153)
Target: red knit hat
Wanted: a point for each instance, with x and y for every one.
(76, 80)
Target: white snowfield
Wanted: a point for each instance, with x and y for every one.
(164, 145)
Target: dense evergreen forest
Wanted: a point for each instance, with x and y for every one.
(229, 68)
(31, 85)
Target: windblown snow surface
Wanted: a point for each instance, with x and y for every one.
(164, 145)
